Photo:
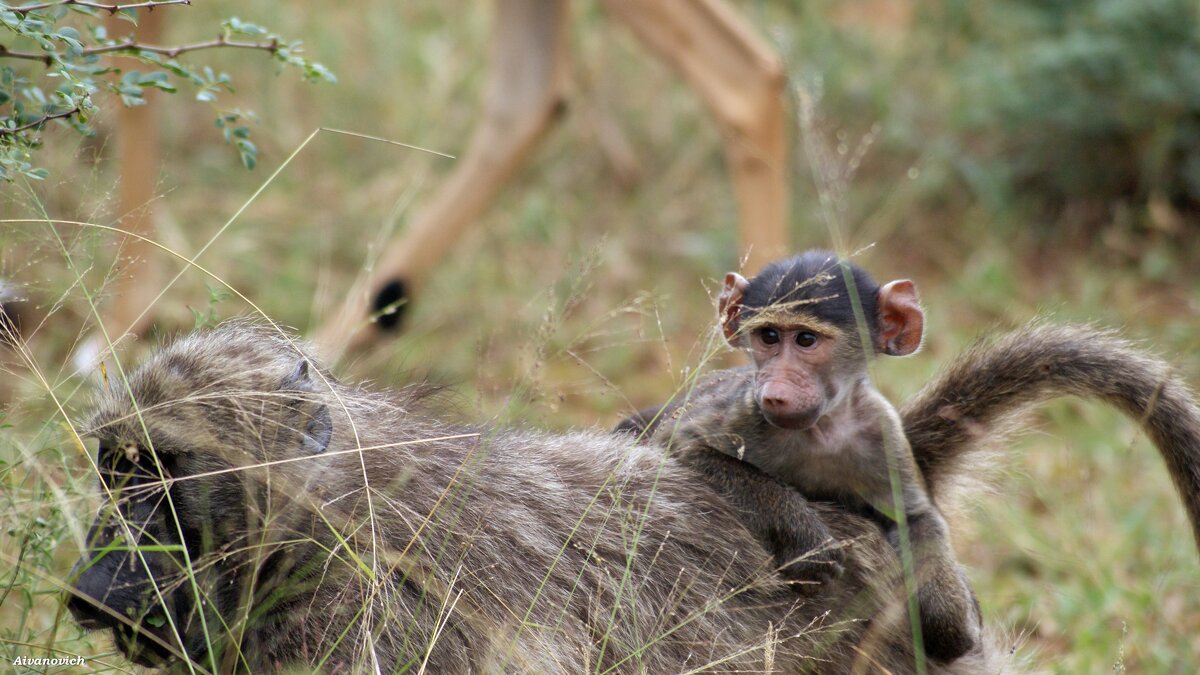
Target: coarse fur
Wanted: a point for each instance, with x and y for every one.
(259, 515)
(977, 402)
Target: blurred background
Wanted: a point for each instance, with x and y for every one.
(1017, 160)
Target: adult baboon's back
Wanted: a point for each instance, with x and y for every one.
(279, 517)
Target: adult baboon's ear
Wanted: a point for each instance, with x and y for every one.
(314, 422)
(729, 305)
(901, 322)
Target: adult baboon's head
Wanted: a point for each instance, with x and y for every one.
(187, 460)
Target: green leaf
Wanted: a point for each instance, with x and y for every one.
(25, 96)
(90, 11)
(131, 96)
(179, 70)
(237, 26)
(314, 72)
(31, 25)
(248, 152)
(158, 80)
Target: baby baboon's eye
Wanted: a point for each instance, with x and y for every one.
(806, 339)
(768, 335)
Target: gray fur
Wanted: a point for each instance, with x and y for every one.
(490, 549)
(980, 396)
(807, 415)
(846, 459)
(977, 402)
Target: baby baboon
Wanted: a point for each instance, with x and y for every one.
(259, 514)
(808, 416)
(972, 405)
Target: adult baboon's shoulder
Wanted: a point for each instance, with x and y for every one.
(259, 513)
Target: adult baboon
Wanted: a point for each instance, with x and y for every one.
(260, 514)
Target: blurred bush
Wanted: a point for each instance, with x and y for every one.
(1079, 105)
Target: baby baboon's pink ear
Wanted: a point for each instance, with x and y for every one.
(901, 322)
(729, 305)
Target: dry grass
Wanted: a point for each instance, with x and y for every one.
(575, 300)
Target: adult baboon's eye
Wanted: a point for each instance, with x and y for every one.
(806, 339)
(769, 336)
(126, 464)
(115, 467)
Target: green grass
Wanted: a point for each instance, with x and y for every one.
(573, 300)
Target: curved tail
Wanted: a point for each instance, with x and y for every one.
(982, 391)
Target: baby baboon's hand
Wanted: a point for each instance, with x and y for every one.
(813, 564)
